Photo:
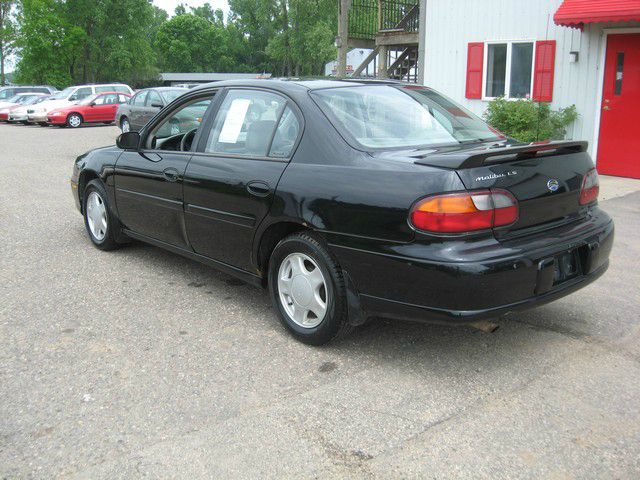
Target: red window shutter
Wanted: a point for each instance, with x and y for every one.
(475, 58)
(543, 70)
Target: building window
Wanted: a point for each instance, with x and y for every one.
(508, 70)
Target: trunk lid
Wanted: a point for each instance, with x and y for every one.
(545, 179)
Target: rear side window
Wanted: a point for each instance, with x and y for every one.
(139, 99)
(286, 135)
(123, 98)
(245, 123)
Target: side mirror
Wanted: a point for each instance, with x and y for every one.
(157, 105)
(128, 141)
(92, 104)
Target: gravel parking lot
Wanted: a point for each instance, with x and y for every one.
(141, 364)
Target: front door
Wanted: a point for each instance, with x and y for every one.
(149, 182)
(618, 143)
(231, 179)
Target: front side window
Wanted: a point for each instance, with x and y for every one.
(181, 123)
(120, 89)
(509, 70)
(63, 94)
(81, 93)
(171, 95)
(139, 99)
(153, 99)
(6, 93)
(245, 123)
(110, 98)
(386, 116)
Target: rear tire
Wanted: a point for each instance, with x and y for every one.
(308, 290)
(99, 220)
(74, 120)
(43, 124)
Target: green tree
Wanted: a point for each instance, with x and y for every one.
(77, 41)
(8, 34)
(188, 43)
(304, 41)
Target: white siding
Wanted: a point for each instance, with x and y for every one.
(452, 24)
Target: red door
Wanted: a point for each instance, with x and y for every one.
(619, 142)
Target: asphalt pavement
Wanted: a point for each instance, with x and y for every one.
(141, 364)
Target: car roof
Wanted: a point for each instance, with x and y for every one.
(285, 84)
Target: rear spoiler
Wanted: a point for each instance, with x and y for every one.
(478, 157)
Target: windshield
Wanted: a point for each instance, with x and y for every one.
(32, 100)
(63, 94)
(386, 116)
(171, 95)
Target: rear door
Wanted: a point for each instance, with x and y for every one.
(231, 179)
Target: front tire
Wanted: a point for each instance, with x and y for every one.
(102, 226)
(74, 120)
(125, 126)
(308, 290)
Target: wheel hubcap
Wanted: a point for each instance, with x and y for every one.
(74, 120)
(303, 290)
(97, 216)
(125, 126)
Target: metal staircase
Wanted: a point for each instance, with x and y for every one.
(391, 30)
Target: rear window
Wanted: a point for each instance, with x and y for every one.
(387, 116)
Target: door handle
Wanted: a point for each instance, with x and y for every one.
(171, 174)
(258, 188)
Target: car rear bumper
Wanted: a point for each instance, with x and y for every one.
(457, 281)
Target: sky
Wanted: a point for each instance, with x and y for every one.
(170, 5)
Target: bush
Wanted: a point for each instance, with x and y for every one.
(529, 121)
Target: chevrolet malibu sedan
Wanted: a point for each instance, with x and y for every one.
(350, 200)
(98, 108)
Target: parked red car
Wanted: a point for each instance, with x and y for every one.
(98, 108)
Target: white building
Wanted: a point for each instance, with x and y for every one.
(581, 52)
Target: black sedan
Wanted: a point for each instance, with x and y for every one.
(144, 105)
(351, 200)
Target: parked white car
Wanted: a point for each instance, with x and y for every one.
(19, 114)
(71, 95)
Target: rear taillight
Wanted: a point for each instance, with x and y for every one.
(590, 187)
(464, 212)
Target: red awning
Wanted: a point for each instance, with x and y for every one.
(575, 13)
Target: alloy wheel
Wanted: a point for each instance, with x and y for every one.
(74, 120)
(302, 290)
(97, 216)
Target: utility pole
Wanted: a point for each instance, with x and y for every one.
(342, 40)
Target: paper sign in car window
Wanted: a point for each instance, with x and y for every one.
(234, 120)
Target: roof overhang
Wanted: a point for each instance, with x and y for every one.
(576, 13)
